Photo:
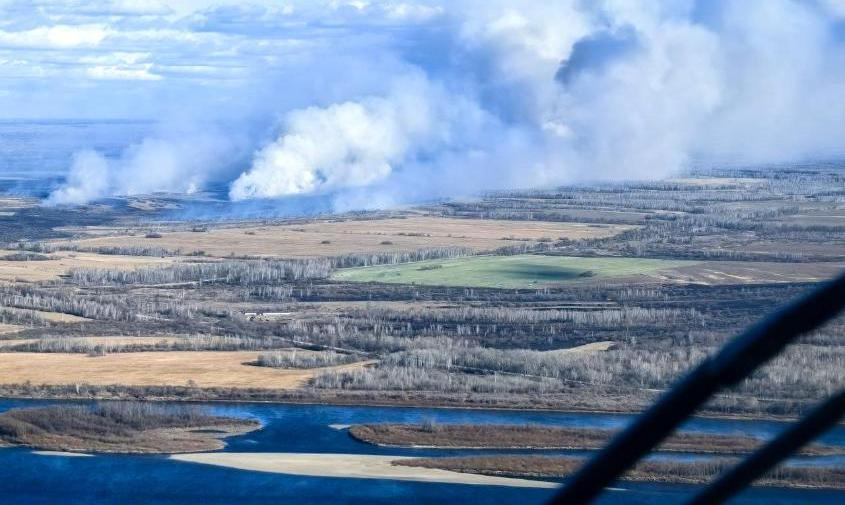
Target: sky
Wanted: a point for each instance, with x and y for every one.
(379, 103)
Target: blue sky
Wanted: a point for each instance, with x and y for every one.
(383, 102)
(134, 58)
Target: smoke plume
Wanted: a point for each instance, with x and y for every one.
(466, 96)
(184, 163)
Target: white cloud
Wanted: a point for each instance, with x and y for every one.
(412, 12)
(138, 7)
(56, 37)
(138, 73)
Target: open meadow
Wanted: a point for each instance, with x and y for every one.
(536, 271)
(509, 272)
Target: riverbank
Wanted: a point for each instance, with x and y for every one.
(674, 472)
(119, 428)
(609, 404)
(493, 436)
(130, 479)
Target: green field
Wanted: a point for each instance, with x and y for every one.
(522, 271)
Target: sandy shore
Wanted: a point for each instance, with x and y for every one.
(63, 454)
(357, 466)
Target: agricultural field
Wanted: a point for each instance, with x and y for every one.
(174, 368)
(534, 271)
(349, 236)
(510, 272)
(52, 266)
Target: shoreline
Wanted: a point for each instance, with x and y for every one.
(569, 448)
(340, 401)
(539, 437)
(63, 454)
(684, 473)
(118, 429)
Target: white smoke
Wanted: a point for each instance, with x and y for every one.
(175, 164)
(87, 180)
(501, 94)
(355, 144)
(781, 79)
(640, 115)
(622, 91)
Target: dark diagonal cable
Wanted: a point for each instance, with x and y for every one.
(737, 359)
(819, 420)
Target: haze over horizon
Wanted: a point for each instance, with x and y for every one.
(373, 104)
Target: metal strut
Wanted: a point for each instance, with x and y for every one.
(819, 420)
(736, 360)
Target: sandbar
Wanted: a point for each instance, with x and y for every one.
(355, 466)
(63, 454)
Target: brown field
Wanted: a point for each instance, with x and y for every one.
(748, 272)
(306, 240)
(585, 348)
(9, 328)
(174, 368)
(36, 271)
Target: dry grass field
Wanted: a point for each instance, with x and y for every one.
(9, 328)
(174, 368)
(750, 272)
(37, 271)
(585, 349)
(331, 238)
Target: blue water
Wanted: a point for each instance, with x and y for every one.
(33, 479)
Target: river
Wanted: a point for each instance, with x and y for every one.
(27, 478)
